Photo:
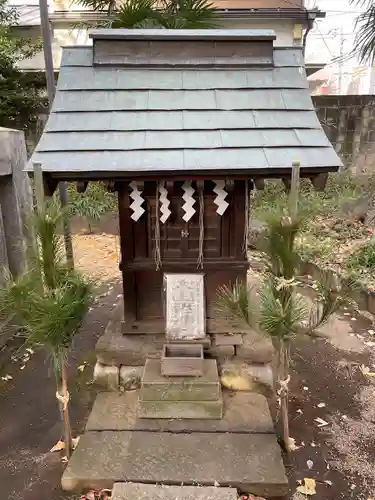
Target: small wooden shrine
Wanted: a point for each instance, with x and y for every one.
(181, 124)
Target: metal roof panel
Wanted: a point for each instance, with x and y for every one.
(109, 78)
(75, 56)
(288, 57)
(146, 119)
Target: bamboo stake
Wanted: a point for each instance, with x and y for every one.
(64, 403)
(62, 393)
(294, 189)
(285, 347)
(39, 188)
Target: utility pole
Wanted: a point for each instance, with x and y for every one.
(50, 79)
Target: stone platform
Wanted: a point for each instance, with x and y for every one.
(136, 491)
(240, 450)
(244, 413)
(249, 462)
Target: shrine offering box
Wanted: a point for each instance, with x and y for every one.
(182, 360)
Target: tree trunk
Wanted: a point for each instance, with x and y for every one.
(64, 405)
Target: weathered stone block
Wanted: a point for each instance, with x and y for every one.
(181, 409)
(222, 352)
(130, 377)
(256, 348)
(222, 339)
(107, 376)
(156, 387)
(182, 360)
(261, 374)
(114, 348)
(136, 491)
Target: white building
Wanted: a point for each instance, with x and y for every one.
(289, 20)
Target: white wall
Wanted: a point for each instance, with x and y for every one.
(282, 28)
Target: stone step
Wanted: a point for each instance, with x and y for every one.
(249, 462)
(244, 412)
(137, 491)
(181, 409)
(156, 387)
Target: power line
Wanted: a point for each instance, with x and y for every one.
(325, 43)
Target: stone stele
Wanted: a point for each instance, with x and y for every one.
(185, 308)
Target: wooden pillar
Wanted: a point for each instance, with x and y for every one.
(127, 253)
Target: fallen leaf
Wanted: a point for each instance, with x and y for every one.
(310, 464)
(60, 445)
(328, 482)
(366, 371)
(75, 442)
(371, 332)
(6, 377)
(308, 487)
(300, 411)
(29, 350)
(216, 484)
(291, 445)
(313, 445)
(80, 368)
(321, 422)
(237, 382)
(90, 495)
(305, 388)
(64, 459)
(321, 405)
(22, 367)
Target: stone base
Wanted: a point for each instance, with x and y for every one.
(181, 409)
(259, 374)
(244, 413)
(156, 387)
(115, 378)
(136, 491)
(250, 462)
(107, 377)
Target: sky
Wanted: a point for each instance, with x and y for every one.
(334, 34)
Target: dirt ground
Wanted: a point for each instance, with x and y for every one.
(326, 383)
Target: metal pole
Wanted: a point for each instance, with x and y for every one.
(50, 79)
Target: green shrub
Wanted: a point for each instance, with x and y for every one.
(363, 257)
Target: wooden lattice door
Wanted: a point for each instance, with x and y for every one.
(180, 239)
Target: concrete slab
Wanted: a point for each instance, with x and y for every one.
(136, 491)
(250, 462)
(181, 409)
(156, 387)
(244, 412)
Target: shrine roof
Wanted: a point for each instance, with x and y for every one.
(142, 102)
